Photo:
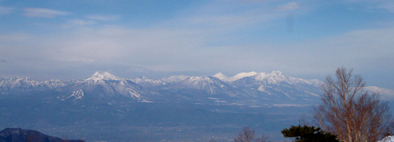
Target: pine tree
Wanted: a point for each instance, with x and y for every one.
(308, 134)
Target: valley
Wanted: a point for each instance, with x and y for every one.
(105, 107)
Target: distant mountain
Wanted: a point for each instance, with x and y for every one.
(105, 107)
(102, 86)
(247, 88)
(276, 87)
(23, 135)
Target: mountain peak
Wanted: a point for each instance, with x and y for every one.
(244, 74)
(220, 76)
(273, 76)
(241, 75)
(103, 76)
(276, 73)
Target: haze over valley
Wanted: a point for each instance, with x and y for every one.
(176, 108)
(192, 70)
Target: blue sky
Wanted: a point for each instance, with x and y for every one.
(57, 39)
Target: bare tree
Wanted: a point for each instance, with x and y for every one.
(303, 120)
(350, 112)
(247, 135)
(263, 138)
(389, 129)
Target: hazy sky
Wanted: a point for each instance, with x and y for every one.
(64, 39)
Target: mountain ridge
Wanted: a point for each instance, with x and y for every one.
(26, 135)
(246, 88)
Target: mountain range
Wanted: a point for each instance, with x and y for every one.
(247, 88)
(105, 107)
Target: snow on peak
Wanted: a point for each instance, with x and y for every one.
(177, 78)
(274, 77)
(388, 139)
(18, 81)
(385, 93)
(224, 78)
(141, 79)
(145, 80)
(221, 76)
(276, 73)
(243, 75)
(258, 76)
(103, 76)
(199, 79)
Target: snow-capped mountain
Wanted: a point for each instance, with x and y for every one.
(247, 88)
(109, 104)
(103, 85)
(18, 82)
(274, 77)
(25, 85)
(206, 84)
(275, 86)
(386, 94)
(100, 77)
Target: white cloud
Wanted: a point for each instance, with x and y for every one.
(387, 5)
(78, 23)
(15, 38)
(205, 39)
(82, 22)
(89, 21)
(103, 18)
(186, 43)
(362, 50)
(288, 7)
(42, 12)
(230, 17)
(122, 45)
(176, 50)
(5, 10)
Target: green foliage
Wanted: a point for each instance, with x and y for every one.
(308, 134)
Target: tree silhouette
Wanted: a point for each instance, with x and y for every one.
(247, 135)
(308, 134)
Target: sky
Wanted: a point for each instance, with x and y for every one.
(57, 39)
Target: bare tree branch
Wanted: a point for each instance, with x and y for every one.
(350, 112)
(247, 135)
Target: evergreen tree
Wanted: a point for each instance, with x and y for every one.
(308, 134)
